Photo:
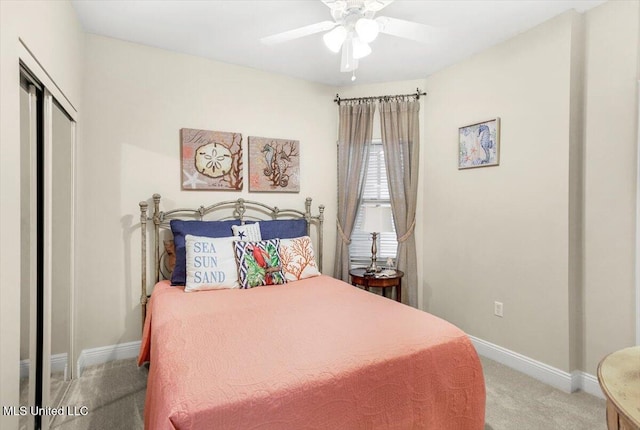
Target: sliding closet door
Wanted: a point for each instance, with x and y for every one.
(47, 237)
(28, 248)
(57, 315)
(61, 259)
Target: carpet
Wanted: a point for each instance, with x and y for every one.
(114, 395)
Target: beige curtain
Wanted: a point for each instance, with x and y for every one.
(401, 141)
(354, 138)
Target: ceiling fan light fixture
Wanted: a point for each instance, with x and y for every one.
(348, 63)
(360, 48)
(335, 38)
(367, 29)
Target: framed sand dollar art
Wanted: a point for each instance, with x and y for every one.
(211, 160)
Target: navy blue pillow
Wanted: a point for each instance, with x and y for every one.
(283, 228)
(181, 228)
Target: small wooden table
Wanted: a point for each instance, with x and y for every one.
(619, 378)
(366, 280)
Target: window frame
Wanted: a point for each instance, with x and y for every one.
(375, 192)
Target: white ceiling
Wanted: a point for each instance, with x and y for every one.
(229, 31)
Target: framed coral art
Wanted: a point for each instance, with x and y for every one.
(479, 144)
(211, 160)
(274, 165)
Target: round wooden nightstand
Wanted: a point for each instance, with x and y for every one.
(619, 378)
(366, 280)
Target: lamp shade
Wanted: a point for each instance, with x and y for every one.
(377, 219)
(335, 38)
(360, 48)
(367, 29)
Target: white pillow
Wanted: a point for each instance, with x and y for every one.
(297, 258)
(211, 263)
(247, 232)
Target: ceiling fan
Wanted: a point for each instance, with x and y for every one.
(353, 28)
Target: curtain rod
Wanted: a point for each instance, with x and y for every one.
(417, 95)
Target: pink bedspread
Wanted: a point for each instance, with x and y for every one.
(313, 354)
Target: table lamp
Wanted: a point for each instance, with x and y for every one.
(377, 219)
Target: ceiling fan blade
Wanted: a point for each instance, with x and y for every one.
(298, 32)
(376, 5)
(406, 29)
(335, 4)
(370, 5)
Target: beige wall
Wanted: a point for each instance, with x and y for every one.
(576, 193)
(501, 233)
(136, 101)
(51, 32)
(550, 232)
(611, 114)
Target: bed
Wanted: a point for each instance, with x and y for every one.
(314, 353)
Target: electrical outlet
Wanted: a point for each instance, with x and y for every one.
(497, 309)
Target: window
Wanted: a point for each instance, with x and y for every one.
(376, 192)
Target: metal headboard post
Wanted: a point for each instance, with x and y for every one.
(143, 251)
(240, 210)
(307, 214)
(308, 217)
(156, 233)
(320, 235)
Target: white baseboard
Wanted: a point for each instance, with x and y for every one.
(58, 364)
(104, 354)
(567, 382)
(88, 357)
(587, 383)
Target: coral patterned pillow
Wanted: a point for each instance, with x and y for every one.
(298, 259)
(258, 263)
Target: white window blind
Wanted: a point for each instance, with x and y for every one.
(375, 192)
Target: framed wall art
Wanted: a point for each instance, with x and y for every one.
(274, 165)
(211, 160)
(479, 144)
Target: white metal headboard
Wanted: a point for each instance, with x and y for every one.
(240, 209)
